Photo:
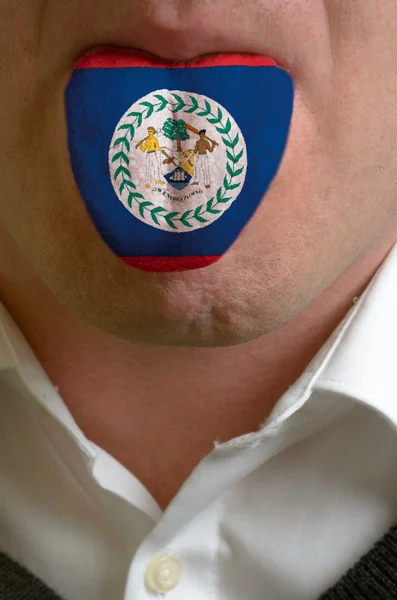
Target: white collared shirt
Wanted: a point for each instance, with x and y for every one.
(279, 514)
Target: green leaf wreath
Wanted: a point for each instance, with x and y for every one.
(122, 174)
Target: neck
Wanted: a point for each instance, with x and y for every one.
(181, 399)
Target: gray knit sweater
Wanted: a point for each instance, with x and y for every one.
(374, 577)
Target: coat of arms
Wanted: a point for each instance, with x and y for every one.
(177, 160)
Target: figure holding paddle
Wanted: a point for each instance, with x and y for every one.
(150, 145)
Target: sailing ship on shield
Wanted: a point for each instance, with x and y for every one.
(190, 166)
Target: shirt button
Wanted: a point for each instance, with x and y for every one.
(163, 573)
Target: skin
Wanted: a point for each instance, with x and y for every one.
(326, 224)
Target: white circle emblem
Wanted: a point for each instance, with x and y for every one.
(177, 160)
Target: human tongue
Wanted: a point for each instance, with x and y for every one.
(173, 159)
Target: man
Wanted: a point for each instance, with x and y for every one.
(227, 433)
(150, 145)
(201, 161)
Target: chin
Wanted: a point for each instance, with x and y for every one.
(220, 305)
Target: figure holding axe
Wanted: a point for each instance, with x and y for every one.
(201, 158)
(150, 145)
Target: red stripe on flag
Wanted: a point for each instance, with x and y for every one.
(102, 59)
(163, 264)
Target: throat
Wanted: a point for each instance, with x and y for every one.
(162, 446)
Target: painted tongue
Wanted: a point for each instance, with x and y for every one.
(173, 159)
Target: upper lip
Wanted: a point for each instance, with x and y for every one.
(191, 37)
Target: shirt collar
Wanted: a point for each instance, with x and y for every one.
(363, 367)
(358, 361)
(17, 358)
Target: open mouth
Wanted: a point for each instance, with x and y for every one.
(172, 159)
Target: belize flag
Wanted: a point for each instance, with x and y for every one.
(172, 159)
